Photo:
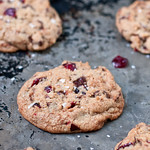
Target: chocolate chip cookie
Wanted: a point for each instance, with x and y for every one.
(71, 98)
(133, 23)
(28, 25)
(138, 139)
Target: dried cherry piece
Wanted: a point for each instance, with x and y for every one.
(40, 43)
(125, 145)
(48, 104)
(73, 104)
(148, 141)
(37, 80)
(67, 122)
(136, 50)
(48, 89)
(61, 92)
(70, 66)
(120, 62)
(74, 127)
(22, 1)
(37, 104)
(80, 81)
(10, 12)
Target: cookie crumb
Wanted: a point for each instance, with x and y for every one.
(108, 136)
(133, 67)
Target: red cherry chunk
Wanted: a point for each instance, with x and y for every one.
(1, 1)
(36, 81)
(120, 62)
(22, 1)
(48, 89)
(10, 12)
(73, 104)
(148, 141)
(80, 81)
(68, 122)
(125, 145)
(136, 50)
(74, 127)
(37, 104)
(61, 92)
(70, 66)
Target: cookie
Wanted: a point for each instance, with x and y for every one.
(133, 23)
(28, 25)
(71, 98)
(138, 139)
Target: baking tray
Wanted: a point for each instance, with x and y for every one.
(89, 34)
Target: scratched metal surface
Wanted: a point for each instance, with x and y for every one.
(89, 35)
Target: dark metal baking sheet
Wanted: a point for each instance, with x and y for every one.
(89, 35)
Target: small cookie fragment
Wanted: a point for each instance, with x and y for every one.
(28, 25)
(71, 98)
(138, 139)
(133, 24)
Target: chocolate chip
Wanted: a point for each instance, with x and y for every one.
(76, 90)
(83, 93)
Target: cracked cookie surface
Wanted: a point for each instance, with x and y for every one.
(28, 25)
(133, 23)
(71, 98)
(138, 139)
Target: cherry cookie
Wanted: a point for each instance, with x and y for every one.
(28, 25)
(133, 23)
(138, 139)
(71, 98)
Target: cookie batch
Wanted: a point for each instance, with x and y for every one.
(72, 97)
